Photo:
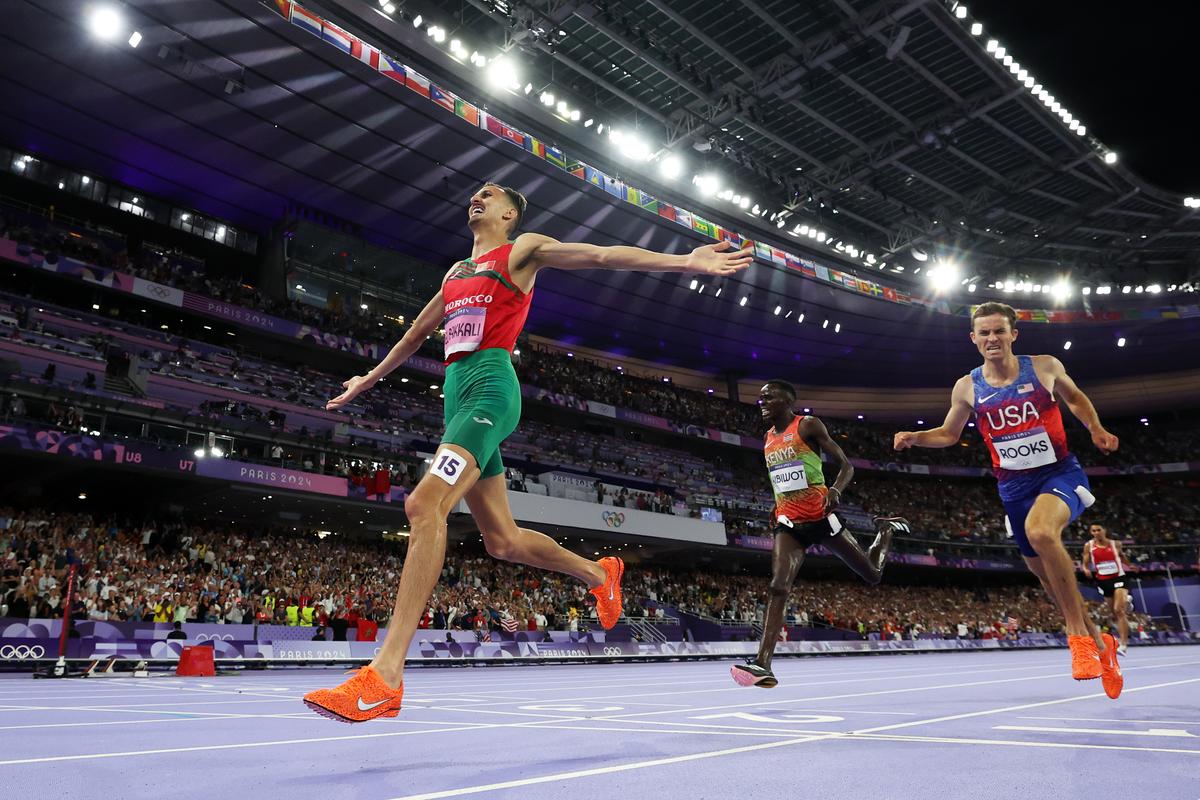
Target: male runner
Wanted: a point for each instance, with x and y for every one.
(484, 301)
(1103, 556)
(1042, 486)
(804, 515)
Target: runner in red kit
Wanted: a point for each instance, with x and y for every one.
(1104, 564)
(483, 303)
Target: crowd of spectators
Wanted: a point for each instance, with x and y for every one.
(192, 571)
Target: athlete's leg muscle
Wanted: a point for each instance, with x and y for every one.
(427, 508)
(847, 548)
(1120, 602)
(786, 557)
(488, 501)
(1043, 527)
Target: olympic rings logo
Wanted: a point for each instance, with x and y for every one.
(161, 291)
(214, 637)
(612, 651)
(613, 519)
(20, 652)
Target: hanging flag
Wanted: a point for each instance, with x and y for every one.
(307, 20)
(336, 36)
(701, 225)
(556, 157)
(593, 176)
(535, 146)
(467, 111)
(614, 187)
(441, 97)
(890, 294)
(668, 211)
(366, 53)
(577, 169)
(762, 250)
(284, 7)
(417, 82)
(391, 68)
(808, 269)
(822, 273)
(514, 136)
(778, 256)
(683, 217)
(1038, 315)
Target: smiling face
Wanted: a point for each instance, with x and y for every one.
(774, 402)
(491, 206)
(993, 336)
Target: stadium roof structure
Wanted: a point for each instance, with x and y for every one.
(893, 115)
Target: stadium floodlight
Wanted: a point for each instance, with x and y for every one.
(1191, 202)
(1085, 291)
(1061, 290)
(1082, 130)
(670, 167)
(1000, 53)
(1022, 74)
(743, 301)
(1067, 344)
(417, 20)
(992, 45)
(920, 255)
(135, 39)
(1121, 342)
(503, 74)
(635, 147)
(547, 98)
(708, 184)
(1074, 124)
(977, 29)
(822, 236)
(561, 107)
(390, 8)
(778, 309)
(943, 276)
(575, 115)
(1110, 157)
(1029, 81)
(961, 12)
(105, 23)
(1154, 288)
(744, 203)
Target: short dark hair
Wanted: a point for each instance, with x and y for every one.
(990, 309)
(519, 203)
(784, 387)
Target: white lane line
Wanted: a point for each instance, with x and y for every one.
(129, 706)
(206, 718)
(239, 746)
(1115, 720)
(1022, 707)
(1175, 733)
(587, 773)
(880, 692)
(866, 734)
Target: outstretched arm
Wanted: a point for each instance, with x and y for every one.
(536, 251)
(1079, 403)
(1086, 560)
(950, 431)
(424, 325)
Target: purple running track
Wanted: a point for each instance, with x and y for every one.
(948, 725)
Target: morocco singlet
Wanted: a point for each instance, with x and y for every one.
(484, 308)
(1022, 426)
(1106, 562)
(796, 475)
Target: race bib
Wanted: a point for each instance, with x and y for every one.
(1024, 450)
(464, 330)
(789, 478)
(1106, 568)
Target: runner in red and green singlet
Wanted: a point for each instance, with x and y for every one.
(483, 303)
(804, 515)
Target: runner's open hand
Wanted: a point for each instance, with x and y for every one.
(719, 259)
(354, 387)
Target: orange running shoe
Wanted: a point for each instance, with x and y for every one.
(608, 594)
(1085, 658)
(1112, 678)
(363, 697)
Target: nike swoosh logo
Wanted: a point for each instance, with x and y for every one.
(989, 397)
(368, 706)
(611, 592)
(1060, 491)
(482, 421)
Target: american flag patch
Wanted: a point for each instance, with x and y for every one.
(1025, 388)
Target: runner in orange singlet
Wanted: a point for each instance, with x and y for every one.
(483, 302)
(804, 515)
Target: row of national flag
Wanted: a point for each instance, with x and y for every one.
(406, 76)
